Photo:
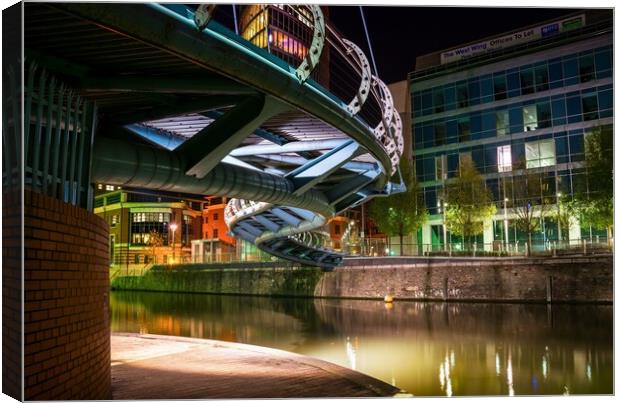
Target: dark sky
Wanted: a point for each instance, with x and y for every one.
(398, 33)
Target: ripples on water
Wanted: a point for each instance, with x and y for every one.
(428, 349)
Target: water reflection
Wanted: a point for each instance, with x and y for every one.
(429, 349)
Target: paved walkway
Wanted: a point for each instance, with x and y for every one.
(167, 367)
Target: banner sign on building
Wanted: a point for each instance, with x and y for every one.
(516, 38)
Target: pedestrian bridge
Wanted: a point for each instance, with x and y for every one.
(163, 97)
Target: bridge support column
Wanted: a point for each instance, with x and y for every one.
(66, 293)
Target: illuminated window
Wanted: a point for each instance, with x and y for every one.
(109, 187)
(114, 220)
(99, 186)
(530, 118)
(504, 159)
(540, 153)
(287, 44)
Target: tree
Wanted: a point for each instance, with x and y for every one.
(154, 241)
(596, 207)
(532, 202)
(468, 203)
(401, 213)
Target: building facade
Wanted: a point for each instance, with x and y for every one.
(148, 228)
(516, 104)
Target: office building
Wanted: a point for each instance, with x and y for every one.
(515, 103)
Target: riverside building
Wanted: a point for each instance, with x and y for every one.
(516, 102)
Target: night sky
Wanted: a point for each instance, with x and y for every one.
(399, 34)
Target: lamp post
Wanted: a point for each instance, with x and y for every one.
(173, 227)
(505, 223)
(559, 195)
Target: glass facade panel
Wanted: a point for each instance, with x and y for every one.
(540, 153)
(527, 81)
(501, 122)
(586, 68)
(589, 105)
(499, 86)
(504, 159)
(530, 118)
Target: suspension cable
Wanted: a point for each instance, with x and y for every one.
(372, 55)
(235, 17)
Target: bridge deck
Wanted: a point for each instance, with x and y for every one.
(166, 367)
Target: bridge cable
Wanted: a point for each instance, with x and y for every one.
(372, 55)
(235, 17)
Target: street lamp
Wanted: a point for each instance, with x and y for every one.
(505, 222)
(559, 217)
(173, 227)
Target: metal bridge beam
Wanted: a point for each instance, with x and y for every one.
(176, 109)
(200, 84)
(267, 223)
(286, 217)
(292, 147)
(341, 191)
(206, 148)
(249, 228)
(290, 159)
(317, 169)
(156, 137)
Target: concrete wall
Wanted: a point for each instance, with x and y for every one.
(66, 284)
(587, 279)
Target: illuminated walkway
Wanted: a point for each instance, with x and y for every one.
(166, 367)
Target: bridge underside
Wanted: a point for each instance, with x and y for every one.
(184, 110)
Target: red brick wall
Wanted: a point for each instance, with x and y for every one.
(67, 332)
(11, 295)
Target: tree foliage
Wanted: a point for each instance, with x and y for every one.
(154, 241)
(596, 207)
(402, 213)
(468, 202)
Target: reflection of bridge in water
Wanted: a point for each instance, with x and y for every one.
(173, 107)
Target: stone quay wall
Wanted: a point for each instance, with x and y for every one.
(577, 279)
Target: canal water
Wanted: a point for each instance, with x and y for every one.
(428, 349)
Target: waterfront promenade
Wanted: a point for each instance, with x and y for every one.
(146, 366)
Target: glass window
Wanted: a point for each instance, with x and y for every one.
(215, 233)
(449, 94)
(427, 102)
(561, 149)
(464, 130)
(605, 103)
(452, 131)
(516, 120)
(527, 81)
(501, 122)
(440, 134)
(453, 165)
(462, 96)
(488, 124)
(417, 103)
(475, 125)
(514, 84)
(540, 153)
(543, 112)
(490, 159)
(602, 59)
(474, 91)
(558, 108)
(570, 71)
(499, 86)
(573, 109)
(504, 159)
(486, 89)
(575, 143)
(586, 68)
(555, 75)
(440, 168)
(429, 134)
(530, 118)
(438, 101)
(541, 78)
(216, 216)
(142, 224)
(589, 105)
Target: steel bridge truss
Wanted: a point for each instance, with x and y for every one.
(290, 152)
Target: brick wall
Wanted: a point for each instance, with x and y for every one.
(67, 333)
(583, 279)
(11, 295)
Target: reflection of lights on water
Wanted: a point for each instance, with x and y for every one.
(566, 391)
(589, 372)
(144, 330)
(351, 355)
(545, 367)
(452, 359)
(511, 391)
(444, 376)
(498, 369)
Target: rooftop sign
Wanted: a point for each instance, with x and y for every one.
(515, 38)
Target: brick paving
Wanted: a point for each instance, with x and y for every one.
(168, 367)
